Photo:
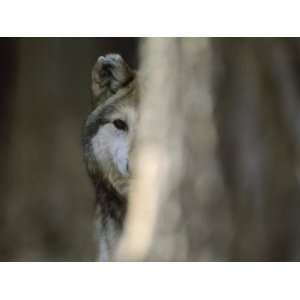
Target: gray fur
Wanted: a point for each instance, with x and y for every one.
(107, 149)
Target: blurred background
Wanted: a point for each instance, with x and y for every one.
(46, 197)
(219, 156)
(222, 116)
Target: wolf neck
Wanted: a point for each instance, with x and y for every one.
(112, 210)
(113, 205)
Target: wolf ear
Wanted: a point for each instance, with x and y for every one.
(110, 73)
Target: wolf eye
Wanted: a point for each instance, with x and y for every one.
(121, 125)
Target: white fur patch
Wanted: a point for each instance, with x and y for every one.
(110, 146)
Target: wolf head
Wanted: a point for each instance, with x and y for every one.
(110, 129)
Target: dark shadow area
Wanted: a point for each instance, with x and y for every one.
(47, 201)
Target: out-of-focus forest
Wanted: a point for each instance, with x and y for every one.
(217, 166)
(47, 201)
(217, 159)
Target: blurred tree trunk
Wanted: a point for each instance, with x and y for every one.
(257, 107)
(178, 174)
(217, 168)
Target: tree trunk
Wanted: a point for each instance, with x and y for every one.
(217, 162)
(178, 174)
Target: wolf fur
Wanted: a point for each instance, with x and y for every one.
(108, 139)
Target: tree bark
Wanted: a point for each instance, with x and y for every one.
(217, 162)
(178, 182)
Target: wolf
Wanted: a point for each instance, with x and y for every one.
(108, 142)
